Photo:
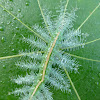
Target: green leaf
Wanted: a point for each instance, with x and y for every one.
(86, 81)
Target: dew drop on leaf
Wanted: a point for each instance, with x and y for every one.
(17, 28)
(9, 93)
(2, 22)
(13, 50)
(3, 39)
(10, 0)
(1, 28)
(14, 18)
(27, 3)
(83, 45)
(11, 9)
(4, 66)
(8, 23)
(0, 81)
(19, 10)
(99, 74)
(97, 83)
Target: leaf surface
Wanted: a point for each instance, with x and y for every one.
(87, 81)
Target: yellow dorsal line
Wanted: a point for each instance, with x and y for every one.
(89, 16)
(72, 83)
(19, 55)
(86, 19)
(24, 24)
(44, 17)
(45, 66)
(82, 57)
(81, 44)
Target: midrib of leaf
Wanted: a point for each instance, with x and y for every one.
(49, 53)
(45, 66)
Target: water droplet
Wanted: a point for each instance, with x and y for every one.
(82, 33)
(3, 39)
(4, 9)
(11, 9)
(86, 34)
(83, 45)
(97, 83)
(14, 18)
(2, 22)
(73, 64)
(13, 50)
(17, 28)
(0, 81)
(9, 46)
(69, 90)
(1, 28)
(63, 61)
(12, 43)
(99, 74)
(8, 22)
(27, 3)
(9, 93)
(19, 10)
(4, 66)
